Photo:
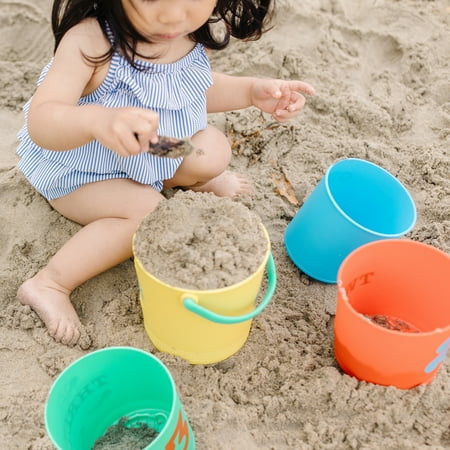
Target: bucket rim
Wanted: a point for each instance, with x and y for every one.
(358, 316)
(389, 175)
(189, 291)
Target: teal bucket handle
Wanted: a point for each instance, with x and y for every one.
(191, 305)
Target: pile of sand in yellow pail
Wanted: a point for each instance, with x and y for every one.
(200, 260)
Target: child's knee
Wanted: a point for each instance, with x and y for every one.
(209, 160)
(214, 152)
(213, 165)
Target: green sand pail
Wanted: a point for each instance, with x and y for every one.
(99, 389)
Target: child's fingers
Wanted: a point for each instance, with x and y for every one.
(301, 86)
(144, 131)
(284, 115)
(289, 95)
(295, 103)
(284, 98)
(135, 139)
(129, 144)
(127, 131)
(142, 141)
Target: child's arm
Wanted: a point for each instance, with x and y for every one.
(56, 122)
(282, 99)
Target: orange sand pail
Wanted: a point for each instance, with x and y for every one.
(205, 326)
(392, 324)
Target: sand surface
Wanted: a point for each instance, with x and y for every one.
(382, 75)
(200, 241)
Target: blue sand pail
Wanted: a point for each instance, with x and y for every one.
(356, 202)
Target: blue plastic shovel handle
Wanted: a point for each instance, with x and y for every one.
(194, 307)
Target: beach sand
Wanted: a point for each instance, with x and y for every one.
(382, 75)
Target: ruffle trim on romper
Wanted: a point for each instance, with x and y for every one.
(164, 86)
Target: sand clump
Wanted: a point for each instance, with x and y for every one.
(200, 241)
(122, 437)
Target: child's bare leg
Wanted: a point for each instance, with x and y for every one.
(111, 211)
(205, 170)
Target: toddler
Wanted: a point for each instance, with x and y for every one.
(123, 73)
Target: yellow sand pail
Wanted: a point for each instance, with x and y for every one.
(206, 326)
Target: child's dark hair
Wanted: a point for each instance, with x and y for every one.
(243, 19)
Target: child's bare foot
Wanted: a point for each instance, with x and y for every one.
(53, 306)
(227, 184)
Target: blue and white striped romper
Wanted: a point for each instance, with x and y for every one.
(176, 91)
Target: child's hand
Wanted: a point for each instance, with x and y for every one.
(282, 99)
(127, 131)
